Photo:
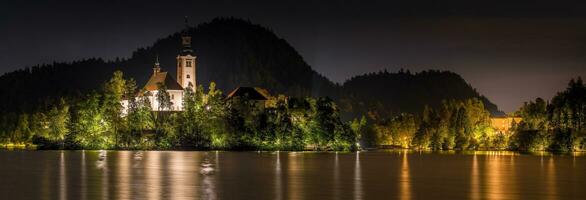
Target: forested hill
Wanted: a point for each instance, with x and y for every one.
(233, 52)
(388, 93)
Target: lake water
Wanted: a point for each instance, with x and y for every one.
(81, 175)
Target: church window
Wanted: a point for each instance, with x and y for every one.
(173, 96)
(188, 63)
(187, 75)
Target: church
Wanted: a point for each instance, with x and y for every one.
(185, 78)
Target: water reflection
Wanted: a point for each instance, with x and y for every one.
(475, 183)
(83, 177)
(336, 177)
(551, 179)
(293, 173)
(278, 183)
(124, 176)
(102, 164)
(208, 185)
(46, 180)
(404, 183)
(287, 175)
(153, 175)
(500, 176)
(62, 177)
(357, 178)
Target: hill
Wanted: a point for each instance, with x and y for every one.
(234, 52)
(389, 94)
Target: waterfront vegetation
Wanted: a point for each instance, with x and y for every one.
(98, 120)
(559, 125)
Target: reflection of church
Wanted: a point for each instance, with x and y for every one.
(186, 73)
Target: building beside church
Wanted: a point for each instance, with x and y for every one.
(256, 94)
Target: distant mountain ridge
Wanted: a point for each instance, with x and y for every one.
(231, 52)
(403, 91)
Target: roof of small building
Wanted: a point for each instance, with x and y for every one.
(162, 77)
(253, 93)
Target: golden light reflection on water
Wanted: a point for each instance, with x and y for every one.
(404, 182)
(62, 177)
(500, 175)
(357, 178)
(177, 172)
(83, 177)
(551, 186)
(336, 177)
(102, 163)
(153, 175)
(124, 175)
(495, 177)
(294, 176)
(207, 171)
(278, 184)
(474, 176)
(195, 175)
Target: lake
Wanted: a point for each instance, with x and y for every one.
(81, 175)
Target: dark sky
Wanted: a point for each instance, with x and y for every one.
(511, 52)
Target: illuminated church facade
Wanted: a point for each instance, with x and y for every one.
(184, 79)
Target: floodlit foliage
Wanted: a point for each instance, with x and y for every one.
(98, 120)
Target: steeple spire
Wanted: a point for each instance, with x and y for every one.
(157, 67)
(186, 40)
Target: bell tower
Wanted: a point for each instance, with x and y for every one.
(186, 61)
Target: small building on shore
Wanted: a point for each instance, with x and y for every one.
(503, 124)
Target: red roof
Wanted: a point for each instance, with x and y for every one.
(162, 77)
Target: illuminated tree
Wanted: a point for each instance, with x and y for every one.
(114, 90)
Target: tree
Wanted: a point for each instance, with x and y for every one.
(58, 121)
(114, 90)
(89, 127)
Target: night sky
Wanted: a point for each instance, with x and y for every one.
(510, 52)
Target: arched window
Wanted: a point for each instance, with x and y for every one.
(188, 63)
(187, 75)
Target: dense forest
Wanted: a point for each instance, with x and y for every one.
(557, 126)
(97, 120)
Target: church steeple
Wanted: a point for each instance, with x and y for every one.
(157, 67)
(186, 61)
(186, 40)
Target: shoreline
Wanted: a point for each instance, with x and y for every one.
(22, 147)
